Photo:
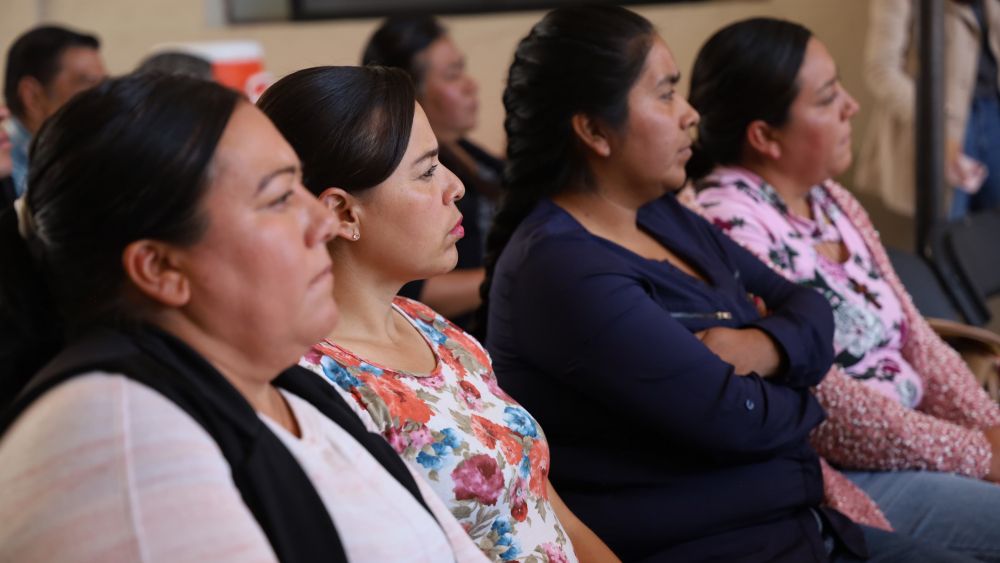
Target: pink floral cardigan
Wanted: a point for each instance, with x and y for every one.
(868, 430)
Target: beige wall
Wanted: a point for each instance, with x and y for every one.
(129, 28)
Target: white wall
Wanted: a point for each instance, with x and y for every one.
(129, 28)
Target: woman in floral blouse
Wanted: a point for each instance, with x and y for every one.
(773, 132)
(370, 155)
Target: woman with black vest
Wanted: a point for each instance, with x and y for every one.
(163, 271)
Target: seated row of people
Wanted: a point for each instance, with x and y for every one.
(174, 256)
(47, 65)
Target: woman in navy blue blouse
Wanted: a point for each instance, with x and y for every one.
(630, 327)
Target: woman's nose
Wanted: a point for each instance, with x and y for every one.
(691, 116)
(851, 106)
(322, 223)
(456, 189)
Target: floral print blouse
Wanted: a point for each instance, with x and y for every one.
(869, 319)
(867, 430)
(480, 451)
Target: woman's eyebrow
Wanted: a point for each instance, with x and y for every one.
(292, 169)
(429, 154)
(670, 79)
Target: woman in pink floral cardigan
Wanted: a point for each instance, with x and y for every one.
(899, 400)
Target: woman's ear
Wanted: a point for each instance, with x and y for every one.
(592, 134)
(32, 95)
(152, 268)
(345, 207)
(763, 140)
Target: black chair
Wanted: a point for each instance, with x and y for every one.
(924, 286)
(939, 304)
(966, 254)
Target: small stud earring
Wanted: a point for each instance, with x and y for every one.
(356, 235)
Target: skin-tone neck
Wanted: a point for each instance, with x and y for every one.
(793, 192)
(614, 216)
(606, 213)
(610, 206)
(251, 375)
(31, 124)
(364, 298)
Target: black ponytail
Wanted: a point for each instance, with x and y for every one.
(349, 125)
(400, 40)
(746, 71)
(29, 328)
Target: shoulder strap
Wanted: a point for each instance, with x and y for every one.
(320, 394)
(7, 193)
(271, 482)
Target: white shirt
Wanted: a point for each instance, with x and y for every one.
(102, 468)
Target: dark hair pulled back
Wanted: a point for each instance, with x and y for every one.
(746, 71)
(37, 53)
(124, 161)
(399, 41)
(576, 60)
(349, 125)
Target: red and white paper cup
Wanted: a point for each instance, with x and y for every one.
(238, 64)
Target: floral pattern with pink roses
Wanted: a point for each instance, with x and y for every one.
(480, 451)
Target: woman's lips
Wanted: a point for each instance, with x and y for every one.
(327, 272)
(847, 136)
(458, 230)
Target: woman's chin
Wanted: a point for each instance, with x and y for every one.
(450, 260)
(446, 265)
(845, 164)
(323, 323)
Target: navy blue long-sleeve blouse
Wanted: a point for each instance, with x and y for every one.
(656, 444)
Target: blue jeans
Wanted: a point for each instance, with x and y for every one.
(886, 547)
(957, 514)
(982, 142)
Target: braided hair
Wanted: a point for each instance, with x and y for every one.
(576, 60)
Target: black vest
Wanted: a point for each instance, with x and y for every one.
(273, 485)
(7, 193)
